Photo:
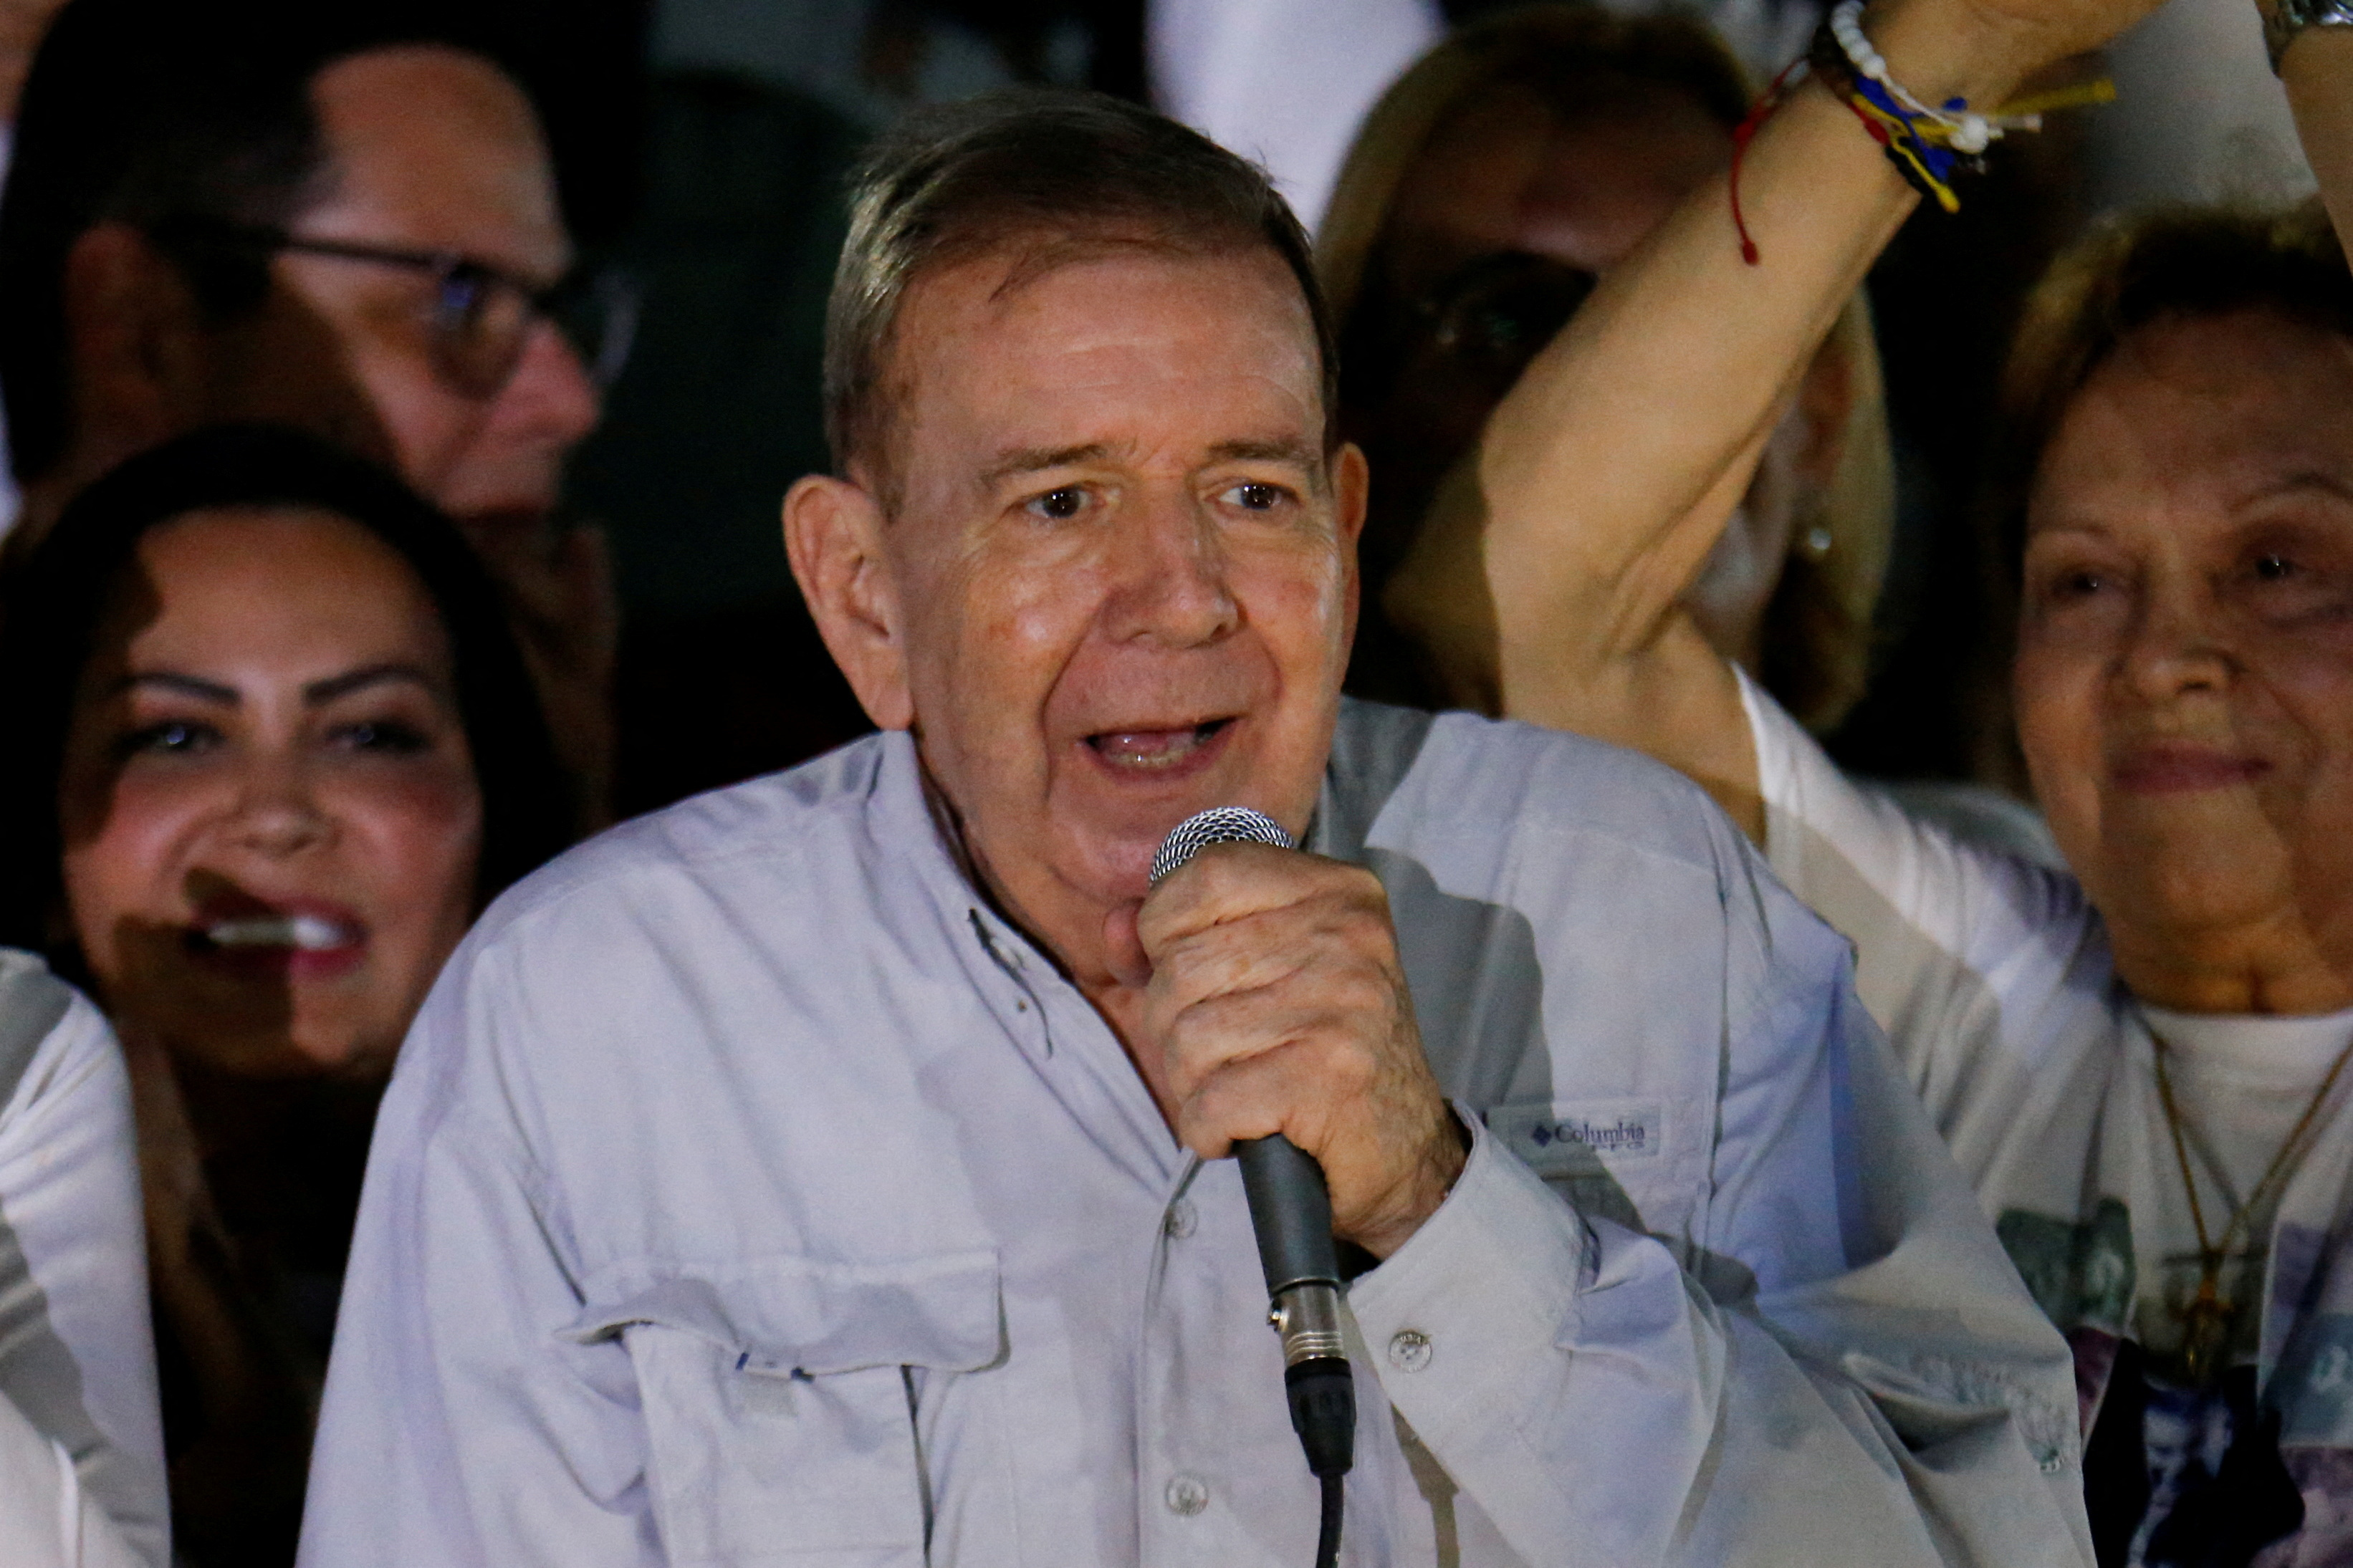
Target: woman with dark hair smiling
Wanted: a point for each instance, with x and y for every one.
(272, 749)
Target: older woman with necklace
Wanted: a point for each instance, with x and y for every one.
(2142, 1065)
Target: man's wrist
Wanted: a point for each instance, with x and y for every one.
(1425, 1192)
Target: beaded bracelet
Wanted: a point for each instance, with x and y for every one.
(1927, 143)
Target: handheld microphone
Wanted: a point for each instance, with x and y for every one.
(1291, 1211)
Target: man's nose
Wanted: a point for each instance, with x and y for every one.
(1175, 586)
(549, 400)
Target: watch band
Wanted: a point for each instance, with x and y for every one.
(2284, 19)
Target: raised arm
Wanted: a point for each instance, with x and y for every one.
(1545, 583)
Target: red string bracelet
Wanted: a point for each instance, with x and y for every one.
(1742, 134)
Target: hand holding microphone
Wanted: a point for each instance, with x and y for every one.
(1278, 999)
(1279, 1003)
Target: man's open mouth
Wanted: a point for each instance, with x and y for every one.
(1154, 751)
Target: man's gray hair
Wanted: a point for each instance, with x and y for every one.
(1042, 171)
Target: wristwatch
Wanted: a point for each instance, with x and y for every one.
(2284, 19)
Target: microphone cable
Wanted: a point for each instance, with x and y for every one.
(1327, 1537)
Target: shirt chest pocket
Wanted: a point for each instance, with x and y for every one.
(778, 1407)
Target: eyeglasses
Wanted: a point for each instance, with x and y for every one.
(481, 314)
(1495, 313)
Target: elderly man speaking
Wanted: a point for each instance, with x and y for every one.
(829, 1170)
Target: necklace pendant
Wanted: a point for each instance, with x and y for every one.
(2206, 1332)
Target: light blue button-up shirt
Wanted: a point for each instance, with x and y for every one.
(749, 1192)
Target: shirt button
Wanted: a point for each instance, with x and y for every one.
(1180, 1219)
(1186, 1496)
(1408, 1349)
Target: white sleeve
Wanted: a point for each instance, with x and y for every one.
(76, 1351)
(1969, 959)
(1847, 1371)
(458, 1430)
(47, 1518)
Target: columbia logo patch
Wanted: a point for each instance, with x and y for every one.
(1561, 1134)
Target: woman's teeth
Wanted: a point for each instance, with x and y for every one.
(1146, 748)
(308, 934)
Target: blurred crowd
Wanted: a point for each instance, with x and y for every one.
(399, 399)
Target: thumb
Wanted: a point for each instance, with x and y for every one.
(1124, 948)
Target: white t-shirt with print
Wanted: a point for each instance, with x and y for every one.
(1992, 977)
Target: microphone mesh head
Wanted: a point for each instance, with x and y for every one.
(1219, 824)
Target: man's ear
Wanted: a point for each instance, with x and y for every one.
(1351, 494)
(135, 343)
(833, 537)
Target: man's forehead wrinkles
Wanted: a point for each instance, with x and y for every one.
(1021, 460)
(1016, 461)
(1147, 367)
(1275, 449)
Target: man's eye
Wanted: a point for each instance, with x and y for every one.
(2271, 566)
(1061, 505)
(458, 303)
(384, 737)
(171, 738)
(1257, 497)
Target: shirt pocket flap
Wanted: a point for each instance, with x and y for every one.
(802, 1316)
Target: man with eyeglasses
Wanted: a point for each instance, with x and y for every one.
(342, 218)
